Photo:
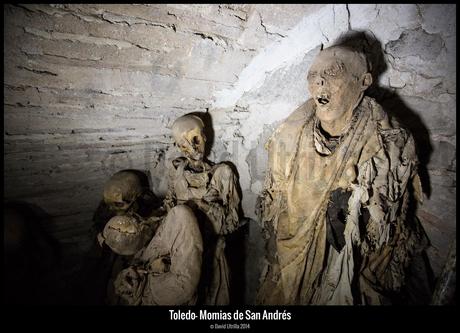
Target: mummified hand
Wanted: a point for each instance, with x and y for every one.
(100, 239)
(160, 265)
(128, 281)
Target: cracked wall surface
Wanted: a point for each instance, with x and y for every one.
(92, 89)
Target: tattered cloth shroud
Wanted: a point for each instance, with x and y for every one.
(166, 271)
(373, 163)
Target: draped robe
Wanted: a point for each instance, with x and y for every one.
(375, 163)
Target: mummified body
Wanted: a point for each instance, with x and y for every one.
(210, 190)
(336, 194)
(166, 271)
(124, 195)
(184, 262)
(162, 252)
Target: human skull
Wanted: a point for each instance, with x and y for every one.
(124, 235)
(337, 80)
(122, 191)
(189, 137)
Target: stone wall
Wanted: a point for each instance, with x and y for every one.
(92, 89)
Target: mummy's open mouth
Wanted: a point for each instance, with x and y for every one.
(323, 99)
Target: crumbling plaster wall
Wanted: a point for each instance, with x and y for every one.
(92, 89)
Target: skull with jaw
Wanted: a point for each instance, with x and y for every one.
(122, 191)
(337, 80)
(189, 137)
